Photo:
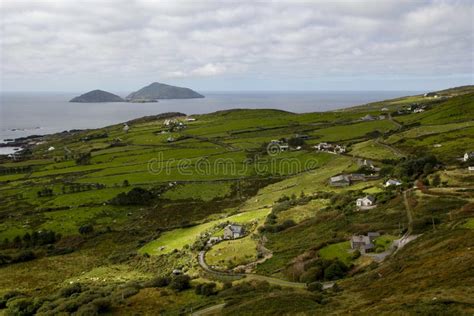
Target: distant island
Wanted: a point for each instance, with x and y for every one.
(97, 96)
(158, 90)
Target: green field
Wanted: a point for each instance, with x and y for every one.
(229, 254)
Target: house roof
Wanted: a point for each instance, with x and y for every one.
(236, 228)
(373, 234)
(339, 178)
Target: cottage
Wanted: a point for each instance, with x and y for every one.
(468, 156)
(362, 243)
(384, 110)
(126, 128)
(51, 148)
(170, 139)
(365, 202)
(190, 119)
(233, 231)
(470, 168)
(381, 117)
(392, 182)
(419, 110)
(340, 181)
(368, 117)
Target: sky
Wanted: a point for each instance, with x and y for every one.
(122, 45)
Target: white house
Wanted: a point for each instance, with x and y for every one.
(384, 110)
(51, 148)
(392, 182)
(365, 201)
(470, 168)
(125, 128)
(468, 156)
(419, 110)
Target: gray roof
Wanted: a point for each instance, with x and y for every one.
(373, 234)
(236, 228)
(341, 177)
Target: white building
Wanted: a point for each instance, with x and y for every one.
(468, 156)
(365, 201)
(392, 182)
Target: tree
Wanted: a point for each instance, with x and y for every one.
(86, 229)
(180, 282)
(436, 180)
(125, 183)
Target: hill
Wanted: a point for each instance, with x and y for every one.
(115, 221)
(97, 96)
(158, 90)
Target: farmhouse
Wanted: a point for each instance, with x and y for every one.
(336, 149)
(392, 182)
(419, 110)
(468, 156)
(364, 243)
(125, 128)
(190, 119)
(470, 168)
(384, 110)
(233, 231)
(368, 117)
(365, 202)
(340, 181)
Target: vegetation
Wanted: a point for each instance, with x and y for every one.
(116, 225)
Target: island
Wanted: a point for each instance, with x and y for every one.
(158, 90)
(95, 96)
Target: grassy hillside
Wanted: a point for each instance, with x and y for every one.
(99, 224)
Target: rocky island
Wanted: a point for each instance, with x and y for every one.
(97, 96)
(157, 90)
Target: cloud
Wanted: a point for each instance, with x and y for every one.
(214, 39)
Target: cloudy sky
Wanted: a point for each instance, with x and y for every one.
(121, 45)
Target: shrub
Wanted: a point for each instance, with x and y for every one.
(103, 304)
(312, 275)
(355, 254)
(129, 291)
(180, 283)
(335, 271)
(70, 289)
(86, 229)
(206, 289)
(136, 196)
(158, 282)
(22, 307)
(24, 256)
(7, 296)
(88, 310)
(315, 287)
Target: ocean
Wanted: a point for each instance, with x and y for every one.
(38, 113)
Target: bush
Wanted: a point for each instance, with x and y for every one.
(7, 296)
(70, 290)
(206, 289)
(355, 254)
(158, 282)
(335, 271)
(315, 287)
(180, 282)
(24, 256)
(86, 229)
(22, 307)
(129, 291)
(103, 304)
(136, 196)
(88, 310)
(312, 275)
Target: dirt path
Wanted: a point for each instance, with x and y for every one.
(209, 311)
(409, 211)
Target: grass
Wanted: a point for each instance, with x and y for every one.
(469, 223)
(302, 212)
(178, 238)
(229, 254)
(339, 251)
(373, 150)
(199, 191)
(384, 241)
